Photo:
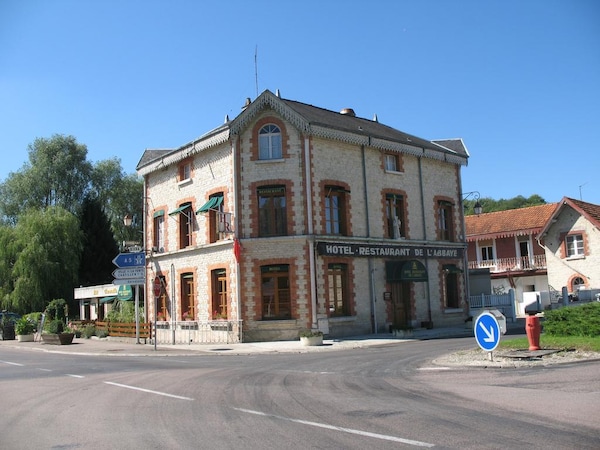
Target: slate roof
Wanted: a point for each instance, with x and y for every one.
(315, 115)
(310, 118)
(513, 222)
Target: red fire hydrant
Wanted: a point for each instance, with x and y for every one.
(533, 328)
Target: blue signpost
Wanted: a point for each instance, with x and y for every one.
(130, 260)
(487, 331)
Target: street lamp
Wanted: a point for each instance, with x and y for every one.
(477, 208)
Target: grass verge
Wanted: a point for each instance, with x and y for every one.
(581, 343)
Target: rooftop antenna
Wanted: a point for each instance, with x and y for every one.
(256, 68)
(580, 186)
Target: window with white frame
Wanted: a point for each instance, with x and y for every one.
(158, 239)
(269, 142)
(391, 162)
(487, 253)
(574, 244)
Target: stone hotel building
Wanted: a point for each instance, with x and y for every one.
(292, 217)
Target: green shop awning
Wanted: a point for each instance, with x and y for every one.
(212, 203)
(107, 299)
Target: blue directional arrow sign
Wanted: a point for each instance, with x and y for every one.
(487, 331)
(130, 260)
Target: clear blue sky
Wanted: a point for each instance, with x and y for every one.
(518, 80)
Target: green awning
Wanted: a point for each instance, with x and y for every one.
(212, 203)
(180, 209)
(160, 212)
(107, 299)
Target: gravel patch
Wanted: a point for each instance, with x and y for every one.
(514, 358)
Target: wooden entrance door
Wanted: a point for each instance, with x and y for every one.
(400, 305)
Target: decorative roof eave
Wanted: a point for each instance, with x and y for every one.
(503, 234)
(205, 142)
(338, 135)
(442, 155)
(267, 98)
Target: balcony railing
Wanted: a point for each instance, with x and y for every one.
(535, 262)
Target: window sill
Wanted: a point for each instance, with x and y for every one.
(184, 182)
(575, 257)
(266, 161)
(453, 310)
(394, 172)
(338, 319)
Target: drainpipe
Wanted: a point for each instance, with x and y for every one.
(370, 260)
(236, 231)
(425, 238)
(311, 237)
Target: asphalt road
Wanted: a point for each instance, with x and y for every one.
(377, 398)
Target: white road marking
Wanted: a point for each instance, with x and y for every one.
(148, 391)
(345, 430)
(434, 368)
(11, 363)
(74, 376)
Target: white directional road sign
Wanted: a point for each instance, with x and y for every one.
(487, 331)
(131, 281)
(130, 272)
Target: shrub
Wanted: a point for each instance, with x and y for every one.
(578, 320)
(101, 333)
(24, 326)
(310, 333)
(89, 331)
(55, 326)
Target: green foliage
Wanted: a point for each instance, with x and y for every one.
(124, 312)
(24, 326)
(55, 326)
(578, 320)
(491, 205)
(58, 174)
(310, 333)
(88, 331)
(99, 245)
(56, 309)
(101, 333)
(41, 242)
(48, 248)
(584, 344)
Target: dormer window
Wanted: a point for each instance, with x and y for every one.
(269, 141)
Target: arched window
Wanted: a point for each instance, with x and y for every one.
(269, 142)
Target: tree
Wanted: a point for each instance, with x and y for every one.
(48, 249)
(99, 245)
(491, 205)
(58, 174)
(119, 194)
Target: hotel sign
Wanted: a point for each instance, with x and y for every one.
(388, 251)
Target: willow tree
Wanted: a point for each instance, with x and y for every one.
(57, 174)
(48, 250)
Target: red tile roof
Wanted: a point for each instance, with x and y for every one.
(513, 222)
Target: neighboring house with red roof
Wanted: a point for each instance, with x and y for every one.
(504, 242)
(571, 239)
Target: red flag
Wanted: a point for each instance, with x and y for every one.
(237, 249)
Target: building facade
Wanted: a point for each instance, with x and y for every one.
(505, 243)
(571, 240)
(293, 217)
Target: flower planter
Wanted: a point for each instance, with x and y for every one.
(58, 339)
(311, 340)
(25, 337)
